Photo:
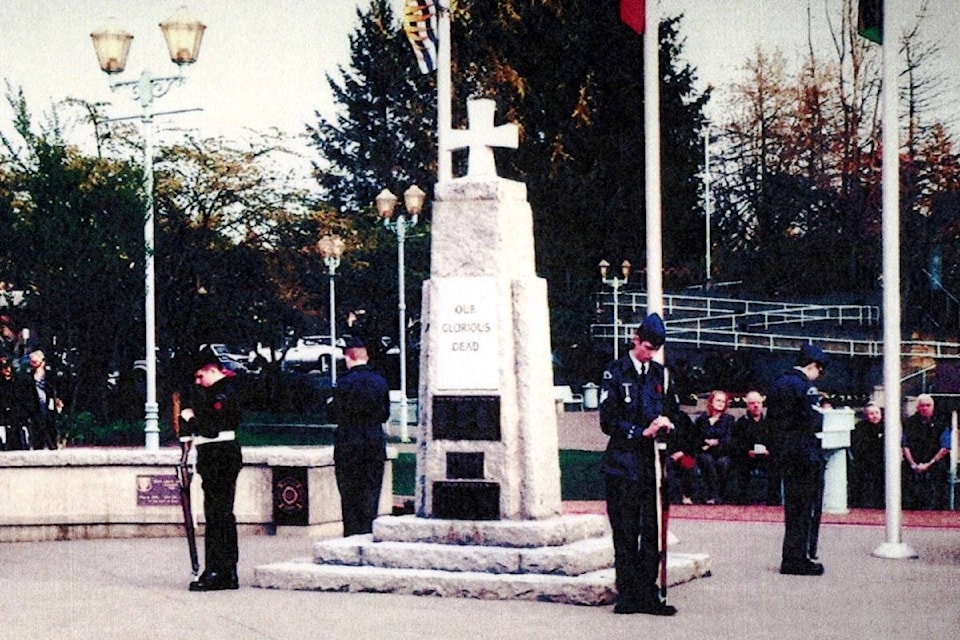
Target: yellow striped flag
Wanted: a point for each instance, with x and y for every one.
(420, 25)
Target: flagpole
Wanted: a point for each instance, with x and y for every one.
(651, 131)
(893, 547)
(444, 93)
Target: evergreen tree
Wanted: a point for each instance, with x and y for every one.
(570, 74)
(384, 135)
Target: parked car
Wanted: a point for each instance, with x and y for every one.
(312, 353)
(309, 354)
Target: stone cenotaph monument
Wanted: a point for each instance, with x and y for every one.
(488, 521)
(488, 446)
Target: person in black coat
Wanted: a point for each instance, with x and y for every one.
(46, 404)
(360, 406)
(714, 439)
(634, 409)
(867, 459)
(926, 452)
(16, 407)
(211, 425)
(794, 423)
(750, 451)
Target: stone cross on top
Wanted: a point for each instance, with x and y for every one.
(482, 138)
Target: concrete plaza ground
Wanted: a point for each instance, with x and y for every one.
(136, 589)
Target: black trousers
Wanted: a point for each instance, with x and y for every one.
(802, 505)
(743, 466)
(632, 510)
(219, 464)
(359, 471)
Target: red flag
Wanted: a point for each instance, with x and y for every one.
(633, 14)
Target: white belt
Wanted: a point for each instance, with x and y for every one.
(224, 436)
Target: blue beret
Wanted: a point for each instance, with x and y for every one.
(652, 330)
(811, 353)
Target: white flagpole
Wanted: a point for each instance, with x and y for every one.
(651, 130)
(893, 547)
(444, 93)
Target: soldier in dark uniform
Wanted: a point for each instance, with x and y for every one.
(634, 409)
(361, 404)
(793, 426)
(212, 424)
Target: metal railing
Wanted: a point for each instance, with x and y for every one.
(742, 324)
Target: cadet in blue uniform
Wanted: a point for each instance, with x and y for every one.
(361, 404)
(793, 423)
(212, 424)
(633, 411)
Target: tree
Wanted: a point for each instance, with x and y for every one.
(383, 136)
(237, 259)
(577, 97)
(73, 240)
(801, 168)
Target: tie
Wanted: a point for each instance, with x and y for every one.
(643, 373)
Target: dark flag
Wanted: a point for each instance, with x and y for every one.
(870, 20)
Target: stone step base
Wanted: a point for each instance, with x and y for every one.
(549, 532)
(593, 588)
(574, 558)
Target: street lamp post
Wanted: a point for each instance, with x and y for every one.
(413, 199)
(331, 248)
(616, 283)
(183, 35)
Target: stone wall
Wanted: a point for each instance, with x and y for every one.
(102, 493)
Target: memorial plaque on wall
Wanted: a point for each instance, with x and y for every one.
(468, 350)
(158, 491)
(466, 418)
(459, 500)
(291, 504)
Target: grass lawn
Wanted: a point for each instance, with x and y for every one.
(580, 477)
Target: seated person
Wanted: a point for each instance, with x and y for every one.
(713, 433)
(682, 456)
(750, 453)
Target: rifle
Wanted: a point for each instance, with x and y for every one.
(184, 478)
(663, 511)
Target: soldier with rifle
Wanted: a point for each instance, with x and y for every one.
(636, 408)
(211, 425)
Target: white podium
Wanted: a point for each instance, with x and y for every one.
(835, 439)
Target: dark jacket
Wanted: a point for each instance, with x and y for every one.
(216, 408)
(361, 404)
(18, 401)
(792, 420)
(748, 432)
(627, 407)
(721, 430)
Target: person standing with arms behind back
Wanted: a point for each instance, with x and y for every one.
(361, 404)
(794, 423)
(212, 423)
(633, 411)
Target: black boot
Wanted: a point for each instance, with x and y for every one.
(216, 581)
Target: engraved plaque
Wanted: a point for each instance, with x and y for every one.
(468, 349)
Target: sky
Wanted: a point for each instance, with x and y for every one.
(262, 65)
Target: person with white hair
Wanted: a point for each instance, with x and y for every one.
(926, 447)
